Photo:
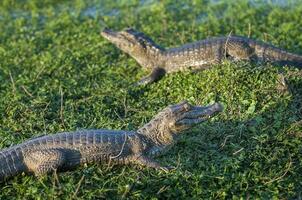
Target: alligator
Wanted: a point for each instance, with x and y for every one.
(64, 151)
(198, 55)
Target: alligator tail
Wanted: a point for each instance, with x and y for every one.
(11, 163)
(270, 53)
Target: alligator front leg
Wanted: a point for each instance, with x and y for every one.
(149, 162)
(156, 74)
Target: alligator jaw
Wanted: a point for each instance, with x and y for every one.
(109, 34)
(124, 41)
(198, 114)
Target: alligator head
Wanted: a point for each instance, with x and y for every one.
(183, 116)
(136, 44)
(174, 119)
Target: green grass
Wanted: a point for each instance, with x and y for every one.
(58, 74)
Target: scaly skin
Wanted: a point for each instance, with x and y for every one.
(198, 55)
(67, 150)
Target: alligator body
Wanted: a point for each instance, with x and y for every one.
(65, 151)
(198, 55)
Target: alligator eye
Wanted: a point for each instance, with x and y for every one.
(129, 29)
(187, 106)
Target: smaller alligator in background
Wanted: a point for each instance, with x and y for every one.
(198, 55)
(64, 151)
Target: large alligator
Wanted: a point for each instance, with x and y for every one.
(67, 150)
(198, 55)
